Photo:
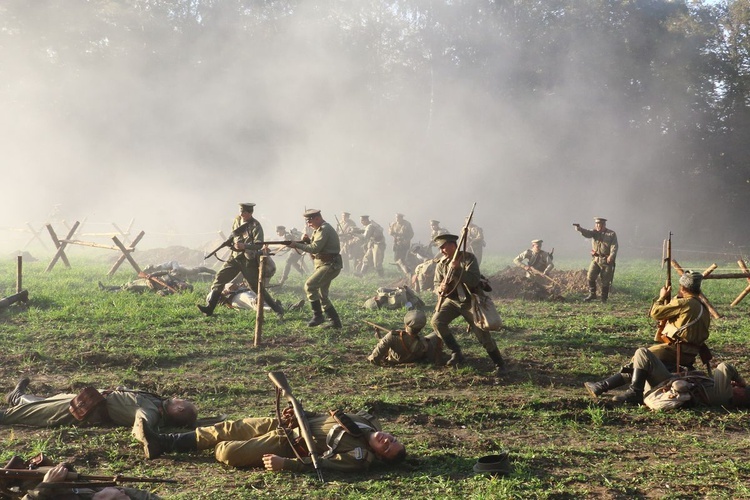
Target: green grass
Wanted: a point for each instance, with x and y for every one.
(562, 443)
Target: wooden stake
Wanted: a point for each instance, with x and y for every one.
(259, 301)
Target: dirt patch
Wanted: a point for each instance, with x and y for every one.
(512, 283)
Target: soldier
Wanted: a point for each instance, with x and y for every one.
(402, 233)
(475, 241)
(326, 253)
(407, 345)
(122, 405)
(259, 442)
(294, 257)
(457, 301)
(351, 253)
(435, 231)
(245, 259)
(603, 254)
(374, 246)
(536, 258)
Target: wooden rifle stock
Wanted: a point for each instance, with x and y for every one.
(156, 280)
(229, 241)
(283, 389)
(377, 328)
(450, 272)
(666, 255)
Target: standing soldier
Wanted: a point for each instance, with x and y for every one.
(294, 257)
(245, 259)
(346, 230)
(536, 258)
(435, 231)
(326, 253)
(603, 254)
(402, 233)
(475, 241)
(457, 301)
(374, 246)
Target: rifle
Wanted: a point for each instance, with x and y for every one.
(156, 280)
(38, 474)
(282, 242)
(283, 389)
(450, 272)
(229, 241)
(377, 328)
(666, 258)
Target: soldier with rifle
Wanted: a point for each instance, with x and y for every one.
(296, 440)
(351, 251)
(374, 246)
(294, 258)
(402, 233)
(457, 276)
(603, 254)
(407, 345)
(247, 244)
(536, 258)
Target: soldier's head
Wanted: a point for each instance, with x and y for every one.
(345, 215)
(536, 245)
(246, 211)
(313, 218)
(690, 282)
(180, 412)
(447, 244)
(364, 219)
(414, 321)
(435, 224)
(600, 223)
(280, 230)
(399, 217)
(386, 447)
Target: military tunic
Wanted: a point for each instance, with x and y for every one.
(603, 247)
(402, 234)
(541, 260)
(294, 256)
(458, 302)
(475, 241)
(374, 248)
(326, 252)
(242, 443)
(678, 313)
(399, 346)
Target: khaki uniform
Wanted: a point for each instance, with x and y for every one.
(374, 248)
(399, 346)
(541, 261)
(122, 407)
(242, 443)
(245, 261)
(678, 313)
(351, 251)
(458, 302)
(433, 234)
(81, 493)
(475, 242)
(603, 245)
(402, 234)
(294, 256)
(326, 253)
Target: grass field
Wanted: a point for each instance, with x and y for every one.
(562, 443)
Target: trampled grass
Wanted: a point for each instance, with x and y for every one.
(562, 443)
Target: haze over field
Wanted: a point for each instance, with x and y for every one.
(169, 113)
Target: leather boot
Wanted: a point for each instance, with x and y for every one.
(634, 394)
(155, 444)
(596, 389)
(457, 358)
(317, 318)
(605, 293)
(333, 315)
(14, 396)
(497, 358)
(592, 292)
(213, 299)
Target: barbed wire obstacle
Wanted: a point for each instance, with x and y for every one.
(61, 244)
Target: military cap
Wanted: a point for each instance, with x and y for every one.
(442, 239)
(247, 207)
(310, 213)
(399, 215)
(536, 242)
(494, 465)
(345, 213)
(600, 219)
(364, 217)
(691, 280)
(414, 321)
(433, 222)
(280, 228)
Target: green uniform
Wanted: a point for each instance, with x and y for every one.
(242, 443)
(326, 252)
(603, 247)
(458, 302)
(541, 260)
(245, 261)
(374, 248)
(351, 246)
(399, 346)
(475, 241)
(122, 408)
(294, 256)
(402, 233)
(690, 318)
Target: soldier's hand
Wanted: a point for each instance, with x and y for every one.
(306, 239)
(56, 474)
(240, 246)
(273, 462)
(664, 292)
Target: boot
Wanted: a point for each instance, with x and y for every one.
(592, 292)
(596, 389)
(317, 318)
(634, 394)
(605, 293)
(457, 358)
(14, 396)
(333, 316)
(497, 358)
(213, 299)
(155, 444)
(276, 307)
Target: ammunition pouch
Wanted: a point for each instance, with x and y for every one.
(346, 422)
(90, 405)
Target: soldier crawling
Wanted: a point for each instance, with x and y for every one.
(408, 345)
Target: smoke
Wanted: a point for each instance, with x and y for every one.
(112, 115)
